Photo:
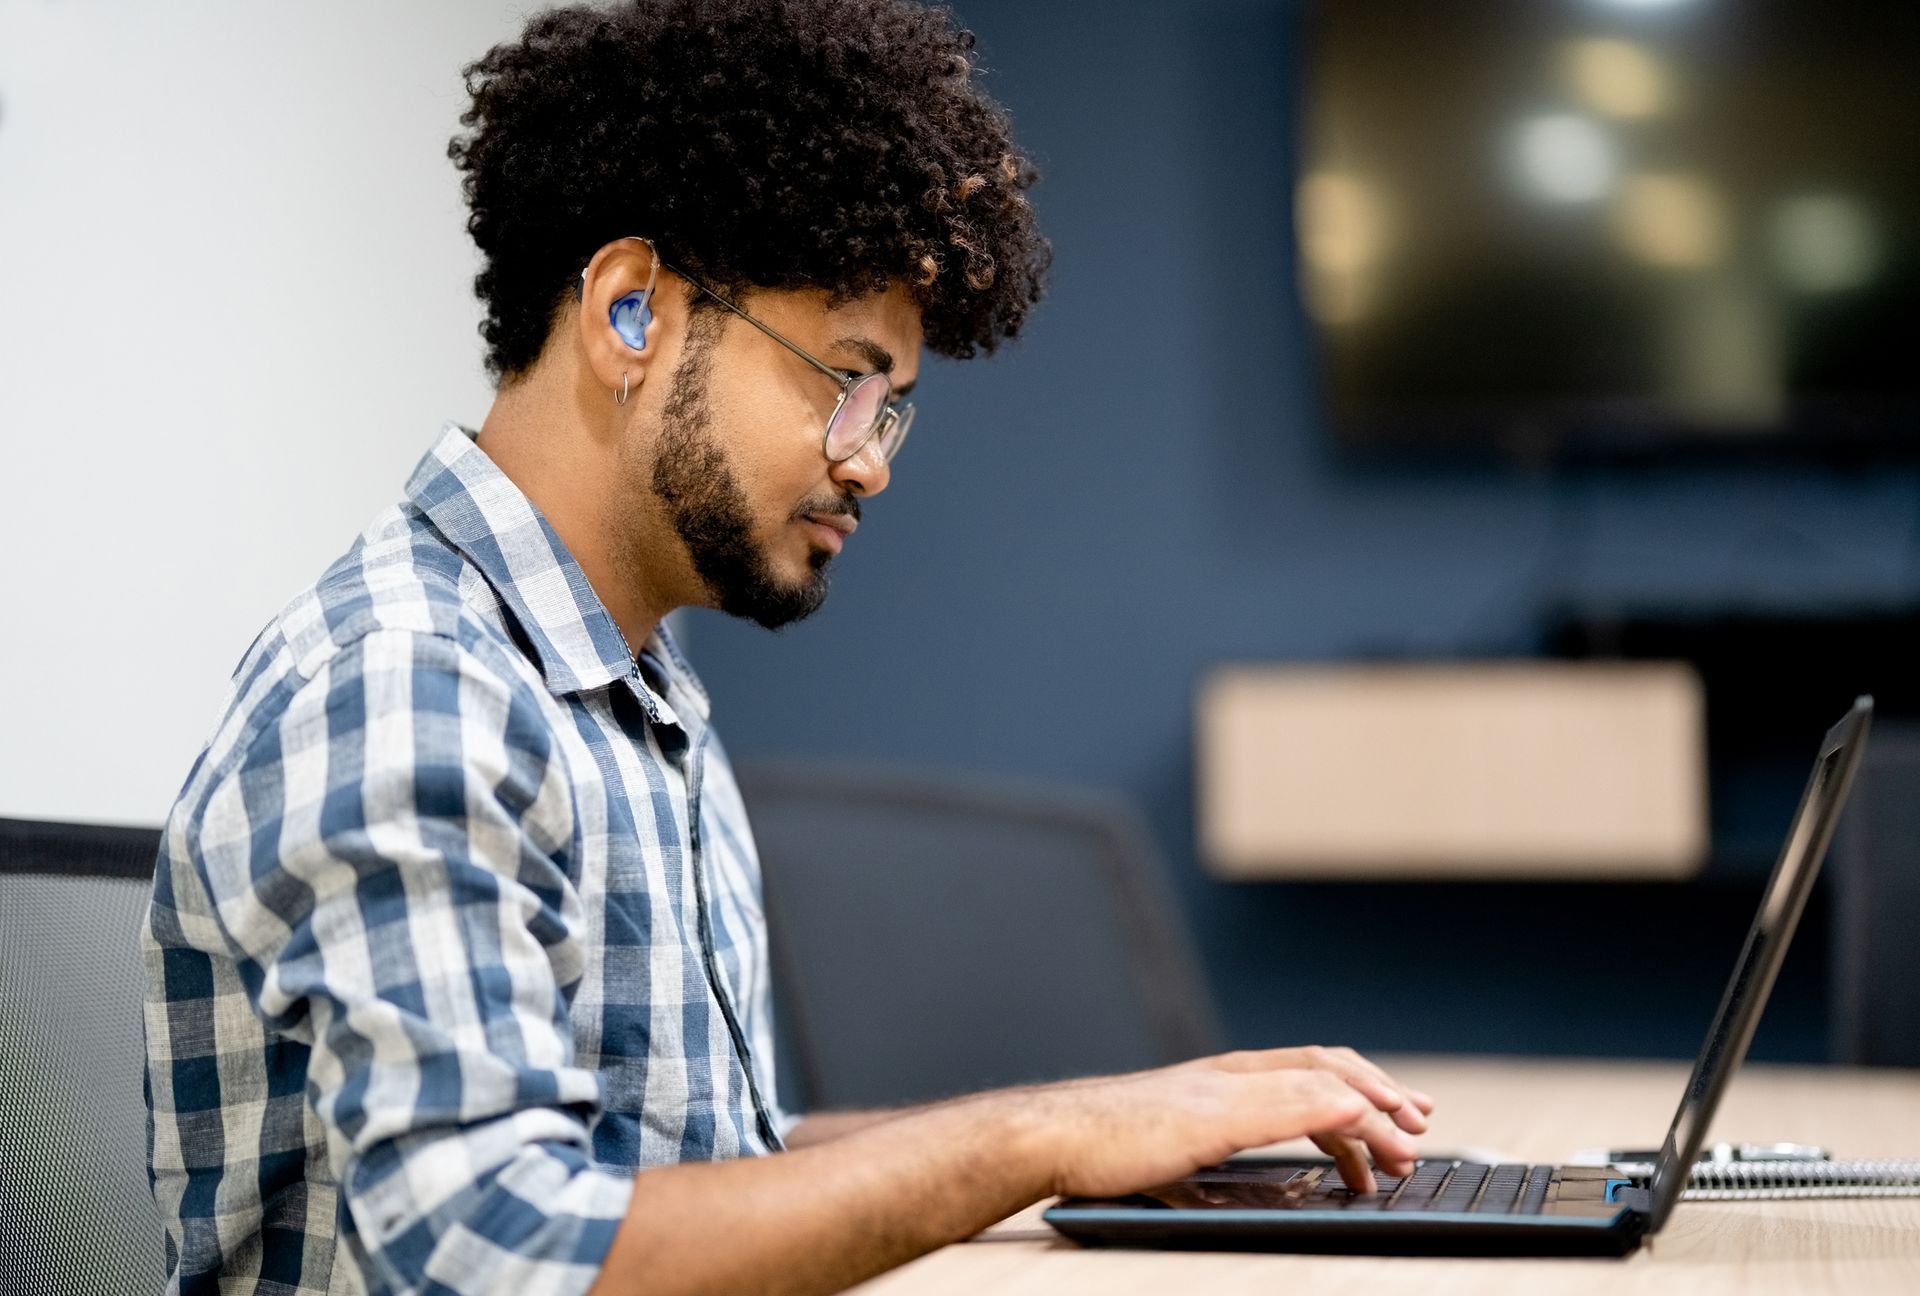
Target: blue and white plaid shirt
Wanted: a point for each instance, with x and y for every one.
(456, 925)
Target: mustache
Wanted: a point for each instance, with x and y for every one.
(837, 506)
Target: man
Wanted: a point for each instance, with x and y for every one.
(458, 973)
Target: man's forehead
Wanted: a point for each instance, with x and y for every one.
(892, 312)
(882, 329)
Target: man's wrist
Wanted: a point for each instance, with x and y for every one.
(1025, 1131)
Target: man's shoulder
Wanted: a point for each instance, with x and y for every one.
(400, 575)
(400, 587)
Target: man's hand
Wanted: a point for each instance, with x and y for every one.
(1115, 1136)
(876, 1189)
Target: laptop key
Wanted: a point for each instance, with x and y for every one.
(1503, 1189)
(1461, 1190)
(1533, 1198)
(1419, 1187)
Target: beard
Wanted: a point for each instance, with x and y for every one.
(701, 497)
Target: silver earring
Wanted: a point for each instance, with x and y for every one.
(621, 399)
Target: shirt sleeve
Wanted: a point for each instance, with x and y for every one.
(388, 865)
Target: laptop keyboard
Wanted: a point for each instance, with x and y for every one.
(1452, 1187)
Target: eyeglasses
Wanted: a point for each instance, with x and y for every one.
(864, 412)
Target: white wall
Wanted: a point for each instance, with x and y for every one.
(235, 306)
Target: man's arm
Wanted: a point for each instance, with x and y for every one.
(824, 1127)
(825, 1216)
(384, 864)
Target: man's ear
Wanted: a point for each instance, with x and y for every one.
(619, 322)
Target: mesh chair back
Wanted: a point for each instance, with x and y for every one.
(936, 937)
(1876, 892)
(76, 1214)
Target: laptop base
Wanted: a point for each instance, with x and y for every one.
(1277, 1204)
(1208, 1231)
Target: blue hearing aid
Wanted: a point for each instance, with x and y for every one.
(630, 315)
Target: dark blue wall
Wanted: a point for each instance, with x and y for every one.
(1142, 488)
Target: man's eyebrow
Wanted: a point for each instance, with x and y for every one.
(870, 351)
(876, 355)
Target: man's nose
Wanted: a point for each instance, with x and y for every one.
(865, 473)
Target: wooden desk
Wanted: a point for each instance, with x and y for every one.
(1543, 1111)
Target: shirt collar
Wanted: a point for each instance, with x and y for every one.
(685, 692)
(492, 523)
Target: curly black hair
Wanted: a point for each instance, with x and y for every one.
(841, 145)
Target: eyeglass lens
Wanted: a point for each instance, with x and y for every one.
(860, 410)
(895, 432)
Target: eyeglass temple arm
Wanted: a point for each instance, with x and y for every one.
(653, 274)
(659, 262)
(828, 370)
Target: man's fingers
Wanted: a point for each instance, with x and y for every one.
(1350, 1159)
(1411, 1108)
(1379, 1088)
(1419, 1100)
(1358, 1130)
(1392, 1150)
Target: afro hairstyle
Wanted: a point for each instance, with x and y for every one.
(836, 145)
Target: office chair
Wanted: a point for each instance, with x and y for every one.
(76, 1214)
(933, 937)
(1875, 876)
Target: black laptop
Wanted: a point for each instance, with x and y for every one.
(1467, 1208)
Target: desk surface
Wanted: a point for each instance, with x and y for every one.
(1544, 1111)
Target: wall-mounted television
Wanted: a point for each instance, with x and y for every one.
(1640, 227)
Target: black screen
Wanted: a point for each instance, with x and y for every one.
(1566, 225)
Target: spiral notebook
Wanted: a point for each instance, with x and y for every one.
(1787, 1178)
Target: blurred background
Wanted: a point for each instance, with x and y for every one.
(1382, 335)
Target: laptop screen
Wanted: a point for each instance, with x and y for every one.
(1759, 962)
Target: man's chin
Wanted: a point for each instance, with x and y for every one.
(775, 606)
